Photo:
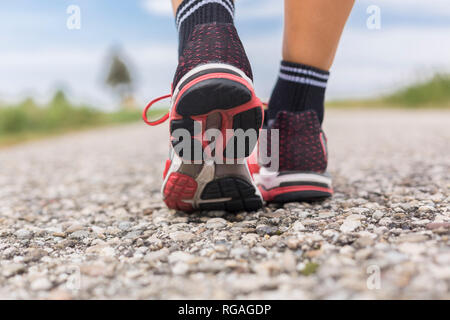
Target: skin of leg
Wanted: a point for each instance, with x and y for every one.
(175, 5)
(312, 30)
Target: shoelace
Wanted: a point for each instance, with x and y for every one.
(166, 116)
(160, 120)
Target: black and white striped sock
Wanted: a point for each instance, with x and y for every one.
(299, 88)
(194, 12)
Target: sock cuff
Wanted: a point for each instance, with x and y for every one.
(303, 74)
(205, 11)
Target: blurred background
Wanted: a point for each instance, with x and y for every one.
(73, 64)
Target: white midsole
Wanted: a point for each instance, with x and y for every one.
(206, 175)
(269, 179)
(204, 67)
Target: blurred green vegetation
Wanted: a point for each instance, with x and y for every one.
(434, 93)
(28, 121)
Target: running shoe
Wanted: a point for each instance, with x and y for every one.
(212, 89)
(296, 171)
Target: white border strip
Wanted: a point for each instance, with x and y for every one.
(272, 180)
(305, 71)
(206, 67)
(303, 80)
(183, 16)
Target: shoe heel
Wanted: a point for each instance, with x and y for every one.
(225, 97)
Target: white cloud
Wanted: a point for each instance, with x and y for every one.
(158, 7)
(251, 9)
(246, 9)
(405, 7)
(368, 63)
(80, 71)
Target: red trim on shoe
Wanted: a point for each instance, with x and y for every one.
(179, 187)
(149, 105)
(252, 163)
(269, 195)
(227, 115)
(322, 142)
(166, 168)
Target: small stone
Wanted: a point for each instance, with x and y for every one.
(179, 256)
(79, 235)
(124, 225)
(133, 234)
(313, 253)
(385, 221)
(250, 239)
(438, 225)
(259, 251)
(113, 231)
(98, 269)
(399, 215)
(274, 214)
(412, 237)
(329, 233)
(293, 243)
(326, 214)
(216, 223)
(74, 227)
(412, 248)
(180, 269)
(359, 211)
(239, 252)
(421, 222)
(182, 236)
(347, 250)
(298, 226)
(363, 254)
(364, 242)
(350, 225)
(59, 234)
(102, 250)
(97, 230)
(267, 268)
(424, 209)
(394, 257)
(160, 255)
(41, 284)
(289, 261)
(23, 234)
(13, 269)
(35, 255)
(269, 230)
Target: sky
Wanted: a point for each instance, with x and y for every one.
(39, 54)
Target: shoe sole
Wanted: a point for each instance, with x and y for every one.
(205, 191)
(285, 187)
(215, 93)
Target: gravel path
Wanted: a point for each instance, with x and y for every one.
(81, 217)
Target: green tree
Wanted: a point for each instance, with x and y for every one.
(119, 79)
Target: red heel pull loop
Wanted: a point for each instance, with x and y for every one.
(159, 121)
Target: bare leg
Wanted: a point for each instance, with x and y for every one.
(312, 30)
(175, 5)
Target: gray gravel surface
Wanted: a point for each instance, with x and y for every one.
(81, 217)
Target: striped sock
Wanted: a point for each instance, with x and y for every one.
(191, 13)
(299, 88)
